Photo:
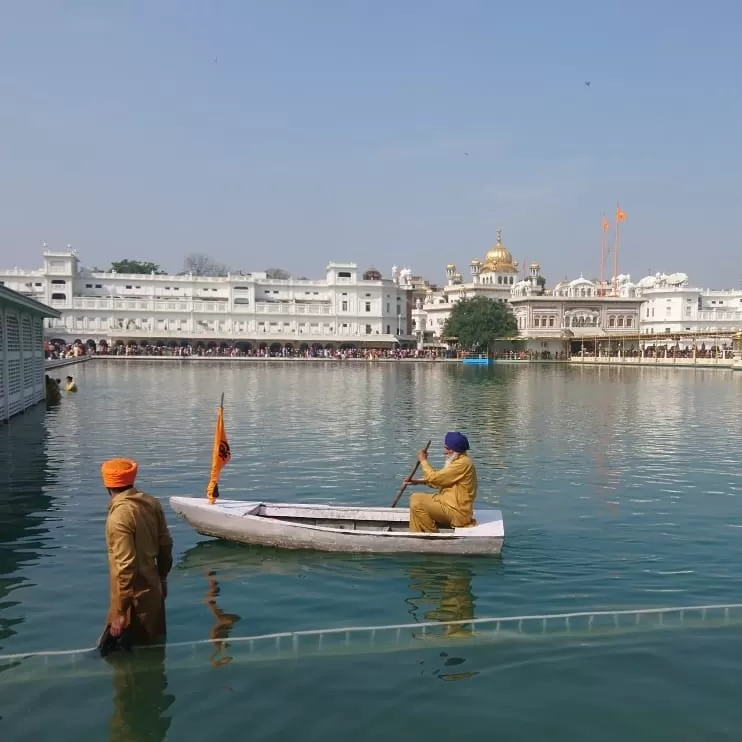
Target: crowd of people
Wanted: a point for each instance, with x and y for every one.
(58, 351)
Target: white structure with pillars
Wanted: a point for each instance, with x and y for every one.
(22, 354)
(345, 307)
(671, 305)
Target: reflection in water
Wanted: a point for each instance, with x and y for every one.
(444, 593)
(24, 474)
(219, 633)
(140, 700)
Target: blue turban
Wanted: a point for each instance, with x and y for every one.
(456, 442)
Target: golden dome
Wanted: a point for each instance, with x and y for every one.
(498, 259)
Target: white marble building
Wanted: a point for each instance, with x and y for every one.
(548, 320)
(494, 278)
(344, 308)
(671, 305)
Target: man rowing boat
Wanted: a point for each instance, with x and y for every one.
(456, 482)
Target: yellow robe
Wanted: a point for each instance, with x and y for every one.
(140, 556)
(453, 505)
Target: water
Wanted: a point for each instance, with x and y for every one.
(618, 489)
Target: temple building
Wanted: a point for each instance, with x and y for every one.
(550, 321)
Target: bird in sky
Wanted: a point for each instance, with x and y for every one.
(587, 83)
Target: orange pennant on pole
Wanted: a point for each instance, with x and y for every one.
(220, 455)
(620, 215)
(605, 224)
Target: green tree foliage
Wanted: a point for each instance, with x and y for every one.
(477, 322)
(135, 266)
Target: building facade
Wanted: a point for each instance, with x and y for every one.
(550, 321)
(21, 352)
(495, 277)
(564, 318)
(344, 308)
(670, 306)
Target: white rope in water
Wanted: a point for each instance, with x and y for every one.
(542, 621)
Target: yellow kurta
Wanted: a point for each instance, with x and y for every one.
(140, 556)
(71, 387)
(453, 505)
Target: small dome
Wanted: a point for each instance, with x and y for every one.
(372, 275)
(581, 281)
(647, 282)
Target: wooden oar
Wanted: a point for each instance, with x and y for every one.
(404, 486)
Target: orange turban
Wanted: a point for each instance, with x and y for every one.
(119, 473)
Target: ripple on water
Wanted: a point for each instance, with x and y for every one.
(616, 493)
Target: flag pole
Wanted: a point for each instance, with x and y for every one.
(602, 256)
(615, 255)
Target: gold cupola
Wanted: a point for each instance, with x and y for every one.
(498, 259)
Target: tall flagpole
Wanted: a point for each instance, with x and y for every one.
(615, 255)
(602, 256)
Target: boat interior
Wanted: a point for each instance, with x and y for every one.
(342, 519)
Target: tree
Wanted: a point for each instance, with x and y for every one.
(135, 266)
(202, 265)
(541, 281)
(279, 273)
(476, 323)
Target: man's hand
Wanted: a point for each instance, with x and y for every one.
(117, 625)
(422, 455)
(410, 480)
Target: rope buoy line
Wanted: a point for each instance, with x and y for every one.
(541, 620)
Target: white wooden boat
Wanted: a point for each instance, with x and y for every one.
(335, 528)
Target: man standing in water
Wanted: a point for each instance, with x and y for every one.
(140, 556)
(456, 482)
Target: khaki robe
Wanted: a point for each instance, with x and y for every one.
(140, 556)
(453, 505)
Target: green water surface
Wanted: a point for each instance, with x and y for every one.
(618, 489)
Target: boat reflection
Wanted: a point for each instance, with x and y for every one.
(443, 592)
(234, 560)
(140, 701)
(219, 633)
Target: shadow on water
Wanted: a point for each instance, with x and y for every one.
(25, 475)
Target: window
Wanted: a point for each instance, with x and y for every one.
(551, 322)
(59, 297)
(629, 322)
(58, 281)
(620, 321)
(88, 285)
(343, 274)
(612, 322)
(128, 287)
(98, 286)
(388, 330)
(344, 306)
(388, 309)
(368, 329)
(368, 306)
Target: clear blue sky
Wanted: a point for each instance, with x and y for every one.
(287, 134)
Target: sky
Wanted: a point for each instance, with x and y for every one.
(288, 134)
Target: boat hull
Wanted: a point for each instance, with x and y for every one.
(335, 528)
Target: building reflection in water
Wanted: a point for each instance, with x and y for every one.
(140, 700)
(219, 633)
(443, 592)
(25, 475)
